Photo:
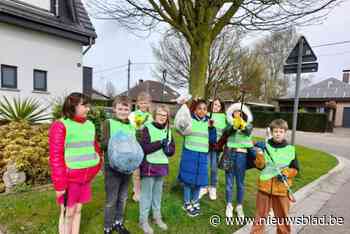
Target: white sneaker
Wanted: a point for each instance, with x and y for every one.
(229, 210)
(161, 223)
(239, 210)
(146, 228)
(212, 193)
(203, 191)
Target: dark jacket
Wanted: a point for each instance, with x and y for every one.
(149, 147)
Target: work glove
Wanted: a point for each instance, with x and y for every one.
(281, 178)
(139, 120)
(236, 123)
(165, 146)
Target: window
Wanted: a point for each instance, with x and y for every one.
(40, 80)
(8, 77)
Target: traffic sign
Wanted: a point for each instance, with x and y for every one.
(307, 53)
(305, 68)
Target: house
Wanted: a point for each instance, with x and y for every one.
(315, 98)
(41, 46)
(160, 94)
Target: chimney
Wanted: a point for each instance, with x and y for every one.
(346, 76)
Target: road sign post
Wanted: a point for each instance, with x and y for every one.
(299, 61)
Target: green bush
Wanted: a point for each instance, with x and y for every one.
(309, 122)
(27, 146)
(29, 109)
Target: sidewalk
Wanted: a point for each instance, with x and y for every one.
(327, 195)
(311, 198)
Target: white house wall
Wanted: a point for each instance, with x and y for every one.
(29, 50)
(44, 4)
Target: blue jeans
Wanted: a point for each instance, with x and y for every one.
(213, 168)
(150, 197)
(238, 172)
(191, 193)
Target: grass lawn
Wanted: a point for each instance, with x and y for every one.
(36, 212)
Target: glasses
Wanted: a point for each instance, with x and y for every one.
(162, 115)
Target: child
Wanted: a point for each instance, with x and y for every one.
(74, 160)
(158, 144)
(272, 193)
(219, 119)
(116, 183)
(138, 119)
(238, 142)
(194, 161)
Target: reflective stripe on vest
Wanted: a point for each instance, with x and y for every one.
(198, 140)
(115, 126)
(282, 158)
(79, 149)
(157, 157)
(219, 123)
(239, 140)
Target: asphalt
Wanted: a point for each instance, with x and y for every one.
(336, 190)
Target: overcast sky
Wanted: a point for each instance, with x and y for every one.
(115, 46)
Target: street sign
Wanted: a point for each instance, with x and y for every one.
(305, 68)
(299, 61)
(307, 53)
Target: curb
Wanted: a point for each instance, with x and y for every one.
(305, 193)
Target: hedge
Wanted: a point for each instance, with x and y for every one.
(308, 122)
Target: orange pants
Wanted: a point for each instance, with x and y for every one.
(280, 206)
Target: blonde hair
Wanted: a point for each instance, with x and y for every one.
(162, 107)
(279, 123)
(143, 96)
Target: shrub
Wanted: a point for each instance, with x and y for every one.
(310, 122)
(27, 146)
(29, 109)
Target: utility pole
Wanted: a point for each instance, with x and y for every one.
(129, 68)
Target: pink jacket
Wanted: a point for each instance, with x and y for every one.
(60, 174)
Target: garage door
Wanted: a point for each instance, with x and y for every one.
(346, 117)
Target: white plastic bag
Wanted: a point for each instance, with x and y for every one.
(183, 121)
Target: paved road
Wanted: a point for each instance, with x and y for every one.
(339, 205)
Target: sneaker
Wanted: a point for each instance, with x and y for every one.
(229, 210)
(120, 228)
(197, 208)
(212, 193)
(202, 192)
(108, 231)
(160, 223)
(146, 228)
(189, 210)
(239, 210)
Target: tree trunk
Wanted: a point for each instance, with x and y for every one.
(199, 64)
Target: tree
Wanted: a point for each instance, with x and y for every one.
(274, 49)
(201, 21)
(173, 55)
(110, 89)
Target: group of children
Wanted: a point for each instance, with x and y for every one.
(76, 157)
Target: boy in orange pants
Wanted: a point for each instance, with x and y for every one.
(274, 156)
